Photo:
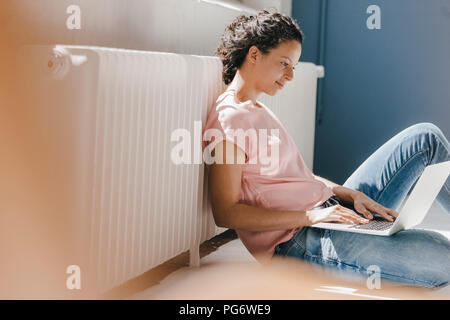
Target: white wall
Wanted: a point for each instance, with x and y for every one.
(180, 26)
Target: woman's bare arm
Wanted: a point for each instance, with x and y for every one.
(343, 193)
(225, 188)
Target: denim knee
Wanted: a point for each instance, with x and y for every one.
(432, 269)
(430, 129)
(433, 139)
(436, 278)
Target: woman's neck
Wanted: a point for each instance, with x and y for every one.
(244, 90)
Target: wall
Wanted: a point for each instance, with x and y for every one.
(377, 82)
(186, 26)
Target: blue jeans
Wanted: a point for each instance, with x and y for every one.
(413, 257)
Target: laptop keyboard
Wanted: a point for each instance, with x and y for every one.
(376, 224)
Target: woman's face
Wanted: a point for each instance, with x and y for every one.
(271, 71)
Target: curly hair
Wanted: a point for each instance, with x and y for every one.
(266, 30)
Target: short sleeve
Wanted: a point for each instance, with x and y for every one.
(230, 124)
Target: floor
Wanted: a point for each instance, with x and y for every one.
(228, 271)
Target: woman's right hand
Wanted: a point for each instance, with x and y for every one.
(337, 213)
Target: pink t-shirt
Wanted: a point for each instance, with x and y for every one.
(274, 177)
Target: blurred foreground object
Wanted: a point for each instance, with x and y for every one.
(36, 242)
(282, 279)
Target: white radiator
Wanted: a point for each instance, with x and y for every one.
(111, 112)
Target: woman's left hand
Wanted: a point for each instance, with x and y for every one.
(364, 204)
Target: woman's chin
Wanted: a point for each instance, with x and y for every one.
(272, 92)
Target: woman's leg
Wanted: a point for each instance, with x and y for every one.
(416, 257)
(390, 173)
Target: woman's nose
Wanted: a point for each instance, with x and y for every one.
(289, 75)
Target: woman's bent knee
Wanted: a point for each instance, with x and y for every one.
(428, 128)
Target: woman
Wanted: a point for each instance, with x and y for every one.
(272, 209)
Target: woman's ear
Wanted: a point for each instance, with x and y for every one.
(253, 54)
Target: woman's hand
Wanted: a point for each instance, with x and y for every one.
(364, 204)
(361, 202)
(335, 213)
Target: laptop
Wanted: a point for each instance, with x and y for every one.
(412, 213)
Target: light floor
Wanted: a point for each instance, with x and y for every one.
(231, 272)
